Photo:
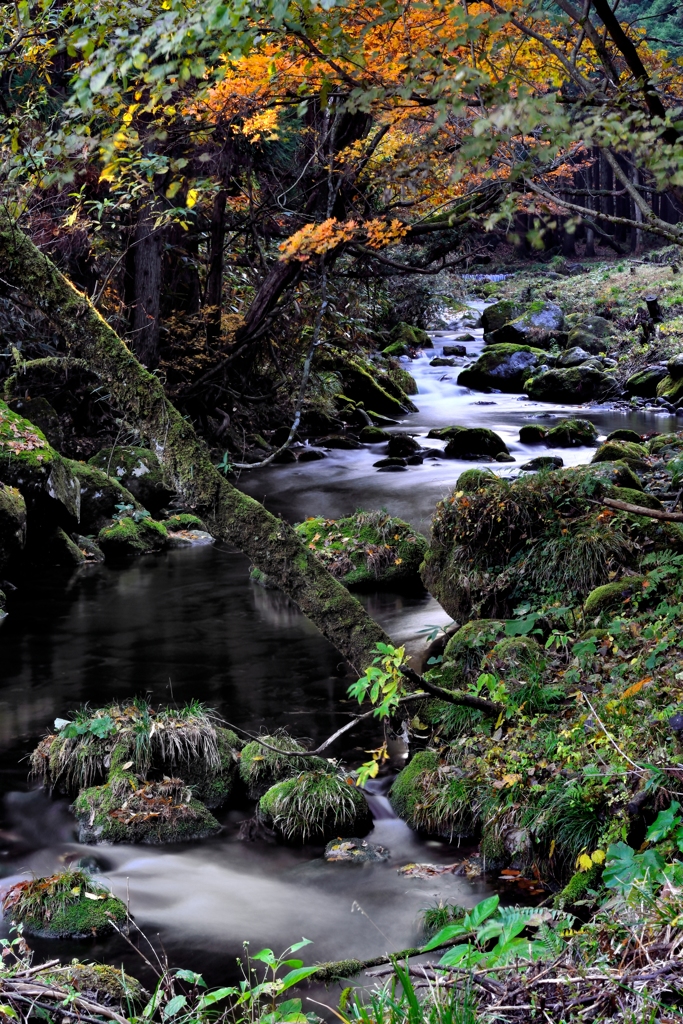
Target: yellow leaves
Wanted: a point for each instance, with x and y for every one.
(636, 687)
(585, 861)
(95, 896)
(398, 561)
(316, 239)
(379, 233)
(551, 852)
(260, 127)
(511, 779)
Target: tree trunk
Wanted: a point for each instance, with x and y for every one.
(272, 544)
(144, 320)
(213, 298)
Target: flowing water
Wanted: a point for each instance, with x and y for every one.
(190, 624)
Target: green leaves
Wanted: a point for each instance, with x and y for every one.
(383, 681)
(625, 868)
(100, 727)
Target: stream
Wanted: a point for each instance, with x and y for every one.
(190, 624)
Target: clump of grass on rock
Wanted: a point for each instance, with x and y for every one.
(316, 805)
(66, 905)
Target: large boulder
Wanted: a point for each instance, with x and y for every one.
(138, 470)
(643, 383)
(542, 324)
(578, 384)
(366, 550)
(366, 384)
(634, 455)
(475, 443)
(670, 388)
(500, 313)
(12, 523)
(101, 493)
(505, 367)
(573, 357)
(571, 433)
(28, 462)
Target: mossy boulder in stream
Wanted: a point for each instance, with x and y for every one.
(539, 326)
(434, 798)
(128, 537)
(366, 550)
(570, 433)
(260, 766)
(532, 433)
(499, 314)
(316, 805)
(100, 496)
(578, 384)
(12, 523)
(505, 367)
(28, 462)
(405, 337)
(138, 470)
(365, 383)
(634, 455)
(127, 809)
(69, 905)
(539, 539)
(474, 479)
(670, 388)
(475, 443)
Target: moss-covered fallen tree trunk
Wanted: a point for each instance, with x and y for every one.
(232, 516)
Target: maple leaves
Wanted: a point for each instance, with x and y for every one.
(317, 239)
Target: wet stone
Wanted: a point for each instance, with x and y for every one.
(543, 462)
(390, 463)
(355, 851)
(454, 350)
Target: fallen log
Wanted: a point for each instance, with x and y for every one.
(232, 516)
(640, 510)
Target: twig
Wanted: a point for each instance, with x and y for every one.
(458, 697)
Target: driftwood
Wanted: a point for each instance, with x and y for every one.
(640, 510)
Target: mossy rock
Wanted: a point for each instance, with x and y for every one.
(433, 799)
(109, 986)
(499, 314)
(579, 337)
(532, 433)
(126, 538)
(43, 415)
(475, 442)
(517, 657)
(474, 479)
(213, 784)
(365, 383)
(316, 806)
(539, 326)
(69, 905)
(405, 381)
(576, 384)
(634, 497)
(59, 549)
(366, 550)
(623, 434)
(611, 474)
(572, 433)
(260, 767)
(444, 433)
(373, 435)
(632, 454)
(402, 445)
(670, 388)
(12, 523)
(100, 494)
(184, 521)
(28, 462)
(396, 349)
(644, 383)
(675, 366)
(413, 337)
(126, 809)
(613, 595)
(662, 442)
(138, 470)
(505, 367)
(465, 650)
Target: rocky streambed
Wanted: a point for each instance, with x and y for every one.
(189, 624)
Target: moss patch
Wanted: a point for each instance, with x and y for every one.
(68, 905)
(128, 537)
(367, 549)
